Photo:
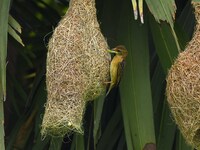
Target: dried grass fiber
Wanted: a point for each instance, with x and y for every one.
(183, 87)
(77, 68)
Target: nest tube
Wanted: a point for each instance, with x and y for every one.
(183, 87)
(77, 68)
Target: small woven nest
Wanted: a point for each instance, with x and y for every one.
(77, 68)
(183, 87)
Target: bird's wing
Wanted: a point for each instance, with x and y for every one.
(120, 71)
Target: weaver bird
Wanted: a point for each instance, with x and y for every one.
(117, 65)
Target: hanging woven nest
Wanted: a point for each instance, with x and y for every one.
(183, 87)
(77, 68)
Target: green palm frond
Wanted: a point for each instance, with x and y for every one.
(134, 115)
(4, 11)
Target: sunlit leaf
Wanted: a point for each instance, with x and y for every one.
(4, 11)
(14, 24)
(162, 10)
(14, 34)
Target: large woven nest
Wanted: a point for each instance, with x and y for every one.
(77, 68)
(183, 87)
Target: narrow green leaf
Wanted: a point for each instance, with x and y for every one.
(14, 102)
(98, 107)
(4, 11)
(1, 124)
(38, 96)
(164, 126)
(167, 130)
(14, 34)
(14, 24)
(40, 143)
(167, 49)
(164, 42)
(56, 143)
(162, 10)
(78, 142)
(127, 127)
(18, 88)
(135, 87)
(182, 145)
(184, 25)
(36, 100)
(112, 132)
(122, 142)
(158, 89)
(14, 132)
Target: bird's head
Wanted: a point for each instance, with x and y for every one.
(119, 50)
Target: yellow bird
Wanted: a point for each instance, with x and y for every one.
(117, 65)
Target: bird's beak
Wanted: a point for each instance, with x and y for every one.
(112, 51)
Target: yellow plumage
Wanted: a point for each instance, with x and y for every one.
(116, 66)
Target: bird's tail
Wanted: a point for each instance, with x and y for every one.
(110, 88)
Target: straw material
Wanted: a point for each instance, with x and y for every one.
(77, 68)
(183, 87)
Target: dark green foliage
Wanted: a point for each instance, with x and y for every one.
(134, 114)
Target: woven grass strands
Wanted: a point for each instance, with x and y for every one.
(183, 87)
(77, 68)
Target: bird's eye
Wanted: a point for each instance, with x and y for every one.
(118, 50)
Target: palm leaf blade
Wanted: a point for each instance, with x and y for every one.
(136, 106)
(162, 10)
(4, 11)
